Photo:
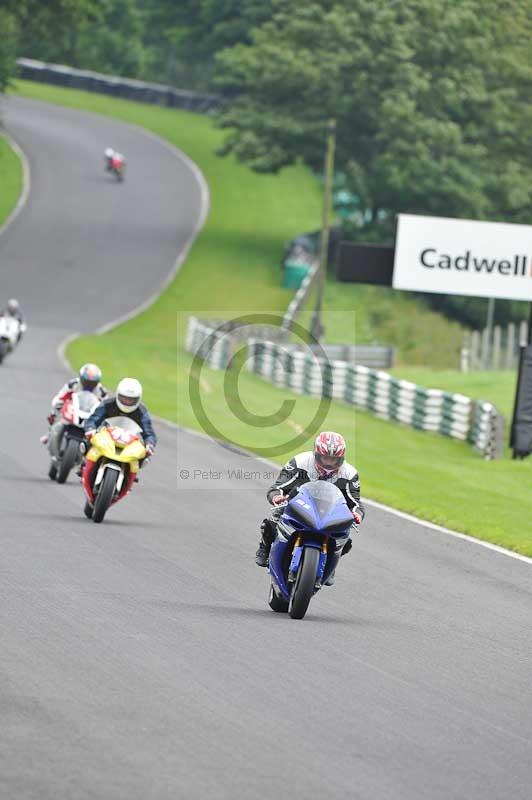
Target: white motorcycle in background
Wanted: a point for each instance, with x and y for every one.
(67, 434)
(10, 332)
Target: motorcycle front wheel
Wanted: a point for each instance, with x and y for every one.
(105, 495)
(304, 584)
(68, 459)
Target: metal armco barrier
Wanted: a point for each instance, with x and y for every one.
(453, 415)
(447, 414)
(116, 86)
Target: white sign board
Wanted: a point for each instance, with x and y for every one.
(462, 256)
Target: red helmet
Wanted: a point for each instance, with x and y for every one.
(329, 453)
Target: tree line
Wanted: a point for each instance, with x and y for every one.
(431, 97)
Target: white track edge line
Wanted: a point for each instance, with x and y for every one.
(26, 180)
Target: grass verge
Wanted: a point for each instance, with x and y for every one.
(11, 177)
(234, 267)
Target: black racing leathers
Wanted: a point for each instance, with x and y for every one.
(302, 468)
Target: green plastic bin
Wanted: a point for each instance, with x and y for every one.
(293, 273)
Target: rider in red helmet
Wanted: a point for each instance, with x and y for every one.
(326, 463)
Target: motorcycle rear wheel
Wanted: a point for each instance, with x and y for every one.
(87, 510)
(105, 495)
(68, 459)
(277, 603)
(303, 587)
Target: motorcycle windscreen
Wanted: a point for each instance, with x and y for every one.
(87, 402)
(321, 505)
(126, 423)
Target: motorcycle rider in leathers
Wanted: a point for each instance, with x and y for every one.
(88, 379)
(12, 309)
(325, 462)
(126, 403)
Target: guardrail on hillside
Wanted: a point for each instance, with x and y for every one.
(159, 94)
(453, 415)
(282, 363)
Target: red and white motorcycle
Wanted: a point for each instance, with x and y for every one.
(117, 166)
(67, 434)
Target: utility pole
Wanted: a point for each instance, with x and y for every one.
(317, 329)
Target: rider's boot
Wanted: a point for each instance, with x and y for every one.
(330, 579)
(262, 554)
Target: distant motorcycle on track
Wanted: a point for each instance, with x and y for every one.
(117, 166)
(10, 332)
(111, 465)
(67, 434)
(313, 529)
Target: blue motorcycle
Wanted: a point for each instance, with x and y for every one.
(311, 533)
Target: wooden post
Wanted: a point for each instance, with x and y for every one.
(475, 347)
(465, 353)
(485, 349)
(523, 333)
(496, 351)
(510, 346)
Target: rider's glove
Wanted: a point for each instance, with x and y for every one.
(150, 449)
(50, 419)
(89, 434)
(357, 516)
(279, 500)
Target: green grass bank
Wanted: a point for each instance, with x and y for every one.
(234, 268)
(11, 179)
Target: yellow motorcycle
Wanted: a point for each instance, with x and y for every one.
(111, 465)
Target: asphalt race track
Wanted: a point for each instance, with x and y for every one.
(139, 659)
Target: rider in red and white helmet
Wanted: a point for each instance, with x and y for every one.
(88, 379)
(327, 463)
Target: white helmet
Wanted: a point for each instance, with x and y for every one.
(109, 152)
(128, 395)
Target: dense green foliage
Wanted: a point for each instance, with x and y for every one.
(30, 27)
(432, 102)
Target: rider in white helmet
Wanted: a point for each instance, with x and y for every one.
(126, 402)
(108, 156)
(12, 309)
